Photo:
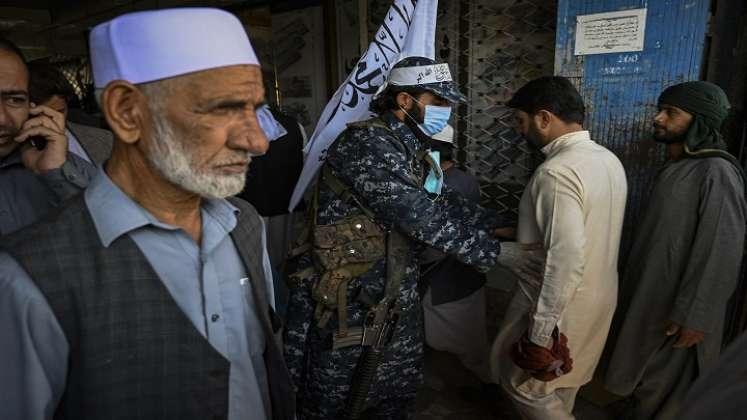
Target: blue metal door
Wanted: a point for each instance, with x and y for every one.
(621, 89)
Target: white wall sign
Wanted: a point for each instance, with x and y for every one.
(611, 32)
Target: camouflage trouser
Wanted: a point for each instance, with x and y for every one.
(323, 376)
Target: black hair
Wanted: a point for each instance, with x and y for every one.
(554, 94)
(46, 81)
(9, 46)
(387, 101)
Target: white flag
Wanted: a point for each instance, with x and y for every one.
(409, 29)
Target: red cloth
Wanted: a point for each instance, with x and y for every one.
(542, 363)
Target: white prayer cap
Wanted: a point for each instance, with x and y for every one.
(153, 45)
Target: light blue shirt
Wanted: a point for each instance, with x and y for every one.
(208, 281)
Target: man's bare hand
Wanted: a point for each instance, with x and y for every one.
(686, 337)
(48, 124)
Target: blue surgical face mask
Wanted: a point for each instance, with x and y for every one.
(273, 129)
(434, 119)
(434, 182)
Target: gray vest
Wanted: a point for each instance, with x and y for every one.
(133, 353)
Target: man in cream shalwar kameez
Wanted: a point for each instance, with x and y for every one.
(573, 209)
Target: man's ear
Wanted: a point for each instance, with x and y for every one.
(404, 100)
(125, 109)
(543, 118)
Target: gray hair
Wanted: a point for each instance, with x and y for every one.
(156, 93)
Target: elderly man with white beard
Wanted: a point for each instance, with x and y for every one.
(150, 295)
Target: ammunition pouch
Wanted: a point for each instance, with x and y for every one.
(354, 242)
(341, 252)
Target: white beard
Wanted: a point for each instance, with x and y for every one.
(176, 164)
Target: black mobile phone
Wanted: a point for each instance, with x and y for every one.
(38, 141)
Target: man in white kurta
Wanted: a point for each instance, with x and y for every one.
(573, 210)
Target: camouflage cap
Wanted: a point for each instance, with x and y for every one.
(424, 73)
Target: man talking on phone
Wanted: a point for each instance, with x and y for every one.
(36, 171)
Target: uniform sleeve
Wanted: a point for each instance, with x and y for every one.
(716, 253)
(466, 208)
(34, 350)
(559, 213)
(464, 195)
(378, 170)
(69, 179)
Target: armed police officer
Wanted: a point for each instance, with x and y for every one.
(354, 339)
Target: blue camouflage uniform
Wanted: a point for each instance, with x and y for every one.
(386, 177)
